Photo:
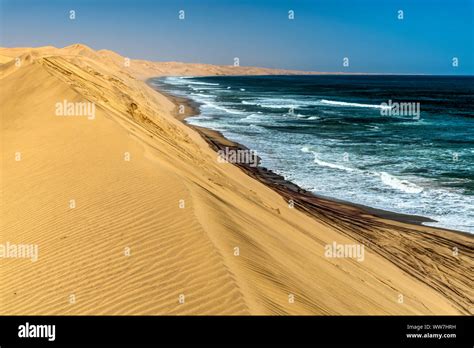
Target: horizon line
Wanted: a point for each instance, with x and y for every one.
(304, 72)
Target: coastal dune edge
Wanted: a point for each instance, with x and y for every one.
(180, 214)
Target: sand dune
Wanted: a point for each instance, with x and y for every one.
(157, 234)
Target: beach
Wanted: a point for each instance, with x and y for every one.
(337, 136)
(132, 212)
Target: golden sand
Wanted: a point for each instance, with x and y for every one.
(133, 214)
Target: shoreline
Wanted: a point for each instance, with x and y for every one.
(431, 255)
(290, 191)
(150, 187)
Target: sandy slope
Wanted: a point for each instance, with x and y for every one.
(136, 204)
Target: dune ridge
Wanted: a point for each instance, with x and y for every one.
(158, 234)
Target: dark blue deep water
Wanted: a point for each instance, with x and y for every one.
(334, 136)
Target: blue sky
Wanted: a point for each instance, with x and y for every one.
(259, 32)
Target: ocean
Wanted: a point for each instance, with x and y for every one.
(398, 143)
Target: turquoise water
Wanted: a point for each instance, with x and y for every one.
(342, 137)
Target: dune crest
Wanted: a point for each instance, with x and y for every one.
(159, 226)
